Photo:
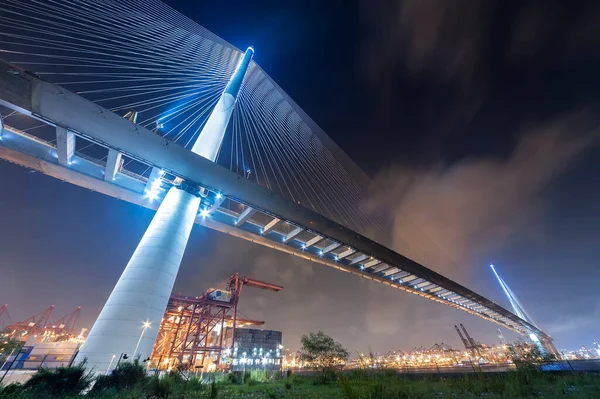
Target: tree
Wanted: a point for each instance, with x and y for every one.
(322, 353)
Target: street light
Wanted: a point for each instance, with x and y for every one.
(145, 326)
(111, 362)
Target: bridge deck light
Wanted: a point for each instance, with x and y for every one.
(219, 195)
(204, 212)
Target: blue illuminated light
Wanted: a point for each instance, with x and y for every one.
(219, 195)
(204, 212)
(154, 190)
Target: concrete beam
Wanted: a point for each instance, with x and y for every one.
(270, 225)
(244, 216)
(217, 203)
(358, 258)
(331, 247)
(65, 145)
(381, 267)
(113, 164)
(313, 241)
(346, 253)
(293, 234)
(371, 263)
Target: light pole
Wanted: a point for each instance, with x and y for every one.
(112, 359)
(145, 326)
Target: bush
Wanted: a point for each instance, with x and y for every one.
(233, 378)
(214, 390)
(61, 381)
(125, 375)
(347, 390)
(14, 390)
(161, 387)
(259, 375)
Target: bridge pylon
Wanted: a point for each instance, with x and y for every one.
(544, 342)
(129, 321)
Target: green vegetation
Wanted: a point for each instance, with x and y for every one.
(130, 381)
(323, 354)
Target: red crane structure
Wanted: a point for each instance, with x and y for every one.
(34, 325)
(4, 315)
(64, 328)
(196, 330)
(38, 325)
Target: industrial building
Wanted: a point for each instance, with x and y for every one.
(203, 333)
(256, 349)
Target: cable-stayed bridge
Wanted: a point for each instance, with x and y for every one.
(133, 100)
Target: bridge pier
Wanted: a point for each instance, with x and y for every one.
(129, 321)
(144, 288)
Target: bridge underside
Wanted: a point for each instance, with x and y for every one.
(231, 204)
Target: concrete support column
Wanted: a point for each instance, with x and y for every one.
(65, 145)
(142, 293)
(113, 164)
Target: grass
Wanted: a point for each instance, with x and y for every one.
(128, 383)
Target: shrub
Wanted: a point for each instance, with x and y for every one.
(233, 378)
(347, 390)
(214, 390)
(125, 375)
(161, 387)
(14, 390)
(61, 381)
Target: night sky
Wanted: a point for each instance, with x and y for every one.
(478, 119)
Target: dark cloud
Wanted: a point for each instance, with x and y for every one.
(446, 216)
(452, 57)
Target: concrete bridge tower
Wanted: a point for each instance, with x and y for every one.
(129, 321)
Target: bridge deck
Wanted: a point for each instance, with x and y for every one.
(237, 206)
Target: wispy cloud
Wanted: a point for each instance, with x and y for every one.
(445, 215)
